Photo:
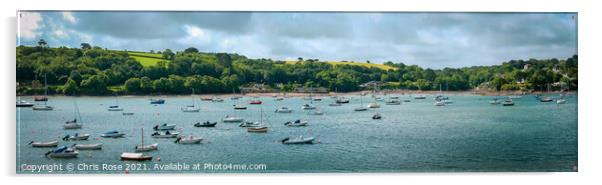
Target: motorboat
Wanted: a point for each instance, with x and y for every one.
(166, 134)
(112, 134)
(217, 99)
(439, 103)
(76, 137)
(232, 119)
(298, 140)
(420, 97)
(379, 99)
(284, 110)
(115, 108)
(308, 107)
(495, 101)
(240, 107)
(146, 148)
(157, 101)
(190, 108)
(257, 129)
(373, 105)
(23, 103)
(249, 124)
(296, 123)
(135, 157)
(206, 98)
(255, 102)
(96, 146)
(342, 100)
(189, 140)
(317, 99)
(360, 109)
(42, 107)
(165, 126)
(508, 102)
(205, 124)
(376, 116)
(62, 152)
(561, 101)
(54, 143)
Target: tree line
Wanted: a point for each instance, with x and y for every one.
(98, 71)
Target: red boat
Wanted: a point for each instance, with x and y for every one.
(40, 98)
(255, 102)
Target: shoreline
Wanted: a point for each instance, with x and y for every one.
(296, 94)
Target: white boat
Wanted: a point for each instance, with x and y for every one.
(379, 99)
(561, 101)
(217, 99)
(296, 123)
(448, 101)
(508, 102)
(62, 152)
(112, 134)
(439, 103)
(495, 101)
(76, 137)
(249, 124)
(284, 110)
(189, 140)
(260, 129)
(373, 105)
(42, 107)
(232, 119)
(72, 125)
(135, 157)
(420, 97)
(342, 100)
(115, 108)
(23, 103)
(165, 126)
(190, 108)
(54, 143)
(515, 96)
(298, 140)
(240, 107)
(166, 134)
(308, 107)
(146, 148)
(393, 102)
(317, 112)
(97, 146)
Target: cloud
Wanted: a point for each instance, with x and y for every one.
(433, 40)
(29, 23)
(68, 16)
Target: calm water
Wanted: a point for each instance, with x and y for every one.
(469, 135)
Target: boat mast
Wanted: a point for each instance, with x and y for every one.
(142, 138)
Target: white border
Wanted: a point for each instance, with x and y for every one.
(589, 89)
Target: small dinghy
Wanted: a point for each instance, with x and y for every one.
(393, 102)
(217, 99)
(240, 107)
(112, 134)
(257, 129)
(191, 108)
(546, 99)
(189, 140)
(135, 157)
(249, 124)
(360, 109)
(165, 126)
(373, 105)
(205, 124)
(508, 102)
(298, 140)
(255, 102)
(76, 137)
(561, 101)
(439, 103)
(232, 119)
(62, 152)
(166, 134)
(97, 146)
(54, 143)
(42, 107)
(377, 116)
(296, 123)
(342, 100)
(146, 148)
(284, 110)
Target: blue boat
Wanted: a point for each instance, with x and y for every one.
(157, 101)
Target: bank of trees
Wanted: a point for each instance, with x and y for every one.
(96, 71)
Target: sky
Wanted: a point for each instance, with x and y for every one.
(433, 40)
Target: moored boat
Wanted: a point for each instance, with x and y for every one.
(189, 140)
(62, 152)
(376, 116)
(308, 107)
(54, 143)
(298, 140)
(76, 137)
(284, 110)
(157, 101)
(166, 134)
(23, 103)
(164, 126)
(232, 119)
(257, 129)
(126, 156)
(296, 123)
(249, 124)
(255, 102)
(205, 124)
(112, 134)
(96, 146)
(115, 108)
(42, 107)
(146, 148)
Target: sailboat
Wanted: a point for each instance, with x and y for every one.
(439, 99)
(546, 98)
(44, 106)
(73, 123)
(309, 106)
(116, 106)
(126, 156)
(361, 107)
(374, 105)
(192, 107)
(259, 129)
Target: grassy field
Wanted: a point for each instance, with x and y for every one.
(335, 63)
(149, 59)
(146, 59)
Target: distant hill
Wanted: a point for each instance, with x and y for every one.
(335, 63)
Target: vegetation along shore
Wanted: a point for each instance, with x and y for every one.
(99, 71)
